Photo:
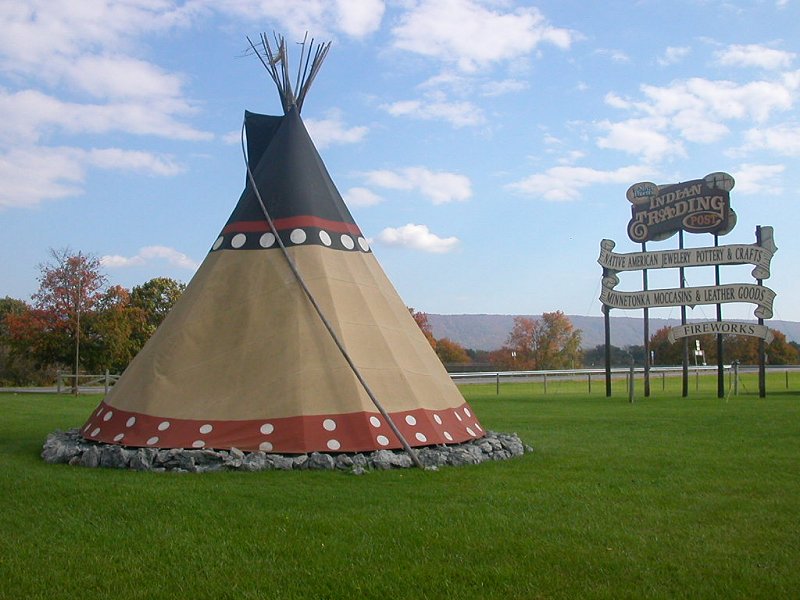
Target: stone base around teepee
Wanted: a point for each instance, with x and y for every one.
(71, 448)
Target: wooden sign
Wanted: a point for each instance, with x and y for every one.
(697, 206)
(733, 254)
(721, 327)
(690, 296)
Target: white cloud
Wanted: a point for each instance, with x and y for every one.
(440, 186)
(332, 130)
(754, 55)
(29, 115)
(29, 176)
(458, 114)
(782, 139)
(560, 184)
(33, 174)
(418, 237)
(641, 137)
(473, 36)
(758, 179)
(147, 255)
(320, 17)
(505, 86)
(617, 56)
(674, 54)
(695, 110)
(360, 196)
(132, 160)
(360, 18)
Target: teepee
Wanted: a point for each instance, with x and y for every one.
(289, 338)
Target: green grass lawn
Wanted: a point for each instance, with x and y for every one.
(666, 497)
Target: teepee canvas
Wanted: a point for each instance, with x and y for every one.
(289, 338)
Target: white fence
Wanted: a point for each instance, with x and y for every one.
(597, 376)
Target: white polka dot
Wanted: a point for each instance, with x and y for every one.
(108, 415)
(238, 240)
(334, 444)
(376, 422)
(329, 424)
(119, 437)
(348, 242)
(466, 412)
(207, 428)
(298, 236)
(130, 422)
(458, 416)
(152, 440)
(411, 420)
(267, 428)
(266, 240)
(363, 243)
(218, 243)
(265, 446)
(198, 444)
(382, 440)
(421, 437)
(448, 436)
(95, 431)
(163, 426)
(85, 429)
(469, 431)
(324, 238)
(438, 419)
(99, 412)
(478, 427)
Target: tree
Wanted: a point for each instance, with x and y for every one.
(547, 343)
(69, 286)
(596, 357)
(15, 368)
(156, 298)
(422, 321)
(449, 352)
(116, 331)
(559, 343)
(671, 353)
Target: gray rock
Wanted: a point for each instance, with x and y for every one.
(344, 462)
(382, 459)
(70, 447)
(321, 461)
(114, 457)
(282, 463)
(91, 457)
(255, 461)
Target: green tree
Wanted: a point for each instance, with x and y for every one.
(116, 331)
(156, 298)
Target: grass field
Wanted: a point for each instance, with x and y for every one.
(663, 498)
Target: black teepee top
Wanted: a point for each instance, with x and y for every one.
(294, 185)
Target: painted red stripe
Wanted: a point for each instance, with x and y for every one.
(293, 223)
(348, 432)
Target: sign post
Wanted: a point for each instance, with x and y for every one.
(698, 206)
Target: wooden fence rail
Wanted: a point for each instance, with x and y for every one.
(85, 380)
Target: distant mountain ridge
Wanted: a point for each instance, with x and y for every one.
(489, 332)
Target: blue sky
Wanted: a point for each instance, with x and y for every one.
(484, 147)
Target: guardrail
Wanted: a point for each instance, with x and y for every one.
(595, 375)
